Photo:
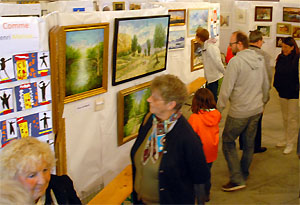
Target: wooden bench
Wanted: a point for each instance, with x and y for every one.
(195, 85)
(117, 190)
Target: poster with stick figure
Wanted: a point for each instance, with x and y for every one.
(44, 92)
(6, 99)
(7, 73)
(26, 96)
(45, 120)
(8, 131)
(43, 63)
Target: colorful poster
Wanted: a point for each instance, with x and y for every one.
(8, 131)
(44, 92)
(7, 73)
(43, 63)
(45, 121)
(6, 98)
(26, 96)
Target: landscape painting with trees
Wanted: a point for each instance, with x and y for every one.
(132, 106)
(140, 47)
(86, 61)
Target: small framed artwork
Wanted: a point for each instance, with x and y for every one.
(134, 6)
(291, 14)
(196, 18)
(284, 28)
(176, 40)
(132, 106)
(279, 41)
(196, 56)
(296, 32)
(266, 30)
(140, 47)
(263, 13)
(225, 20)
(118, 6)
(240, 15)
(177, 17)
(85, 58)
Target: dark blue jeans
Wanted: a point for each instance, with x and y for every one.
(213, 87)
(234, 127)
(208, 183)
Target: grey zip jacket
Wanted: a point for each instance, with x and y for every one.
(245, 85)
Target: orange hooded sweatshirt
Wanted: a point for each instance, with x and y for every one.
(206, 125)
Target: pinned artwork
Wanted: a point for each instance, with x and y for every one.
(296, 32)
(43, 63)
(9, 131)
(284, 28)
(6, 96)
(45, 122)
(7, 73)
(26, 96)
(225, 20)
(44, 92)
(266, 30)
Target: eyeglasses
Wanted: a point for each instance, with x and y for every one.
(233, 43)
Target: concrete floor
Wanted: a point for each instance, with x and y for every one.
(274, 177)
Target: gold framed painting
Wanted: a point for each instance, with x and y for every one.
(196, 56)
(296, 32)
(84, 61)
(284, 28)
(119, 6)
(132, 106)
(177, 17)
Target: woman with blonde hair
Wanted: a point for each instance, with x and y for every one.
(30, 161)
(168, 162)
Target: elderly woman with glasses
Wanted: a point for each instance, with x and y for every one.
(169, 166)
(30, 161)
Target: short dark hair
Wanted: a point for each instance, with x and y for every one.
(242, 37)
(203, 99)
(255, 36)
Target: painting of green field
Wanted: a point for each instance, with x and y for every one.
(135, 107)
(84, 60)
(139, 47)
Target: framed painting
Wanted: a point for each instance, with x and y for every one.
(291, 14)
(132, 106)
(134, 6)
(279, 41)
(263, 13)
(266, 30)
(225, 20)
(176, 40)
(177, 17)
(140, 47)
(196, 56)
(284, 28)
(196, 18)
(118, 6)
(85, 57)
(296, 32)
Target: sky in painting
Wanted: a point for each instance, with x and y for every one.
(84, 38)
(142, 28)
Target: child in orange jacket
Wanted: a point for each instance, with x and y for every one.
(205, 122)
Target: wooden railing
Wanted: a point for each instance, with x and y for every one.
(195, 85)
(117, 190)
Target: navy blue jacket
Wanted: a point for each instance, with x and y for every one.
(182, 165)
(63, 189)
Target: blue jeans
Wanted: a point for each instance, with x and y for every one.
(213, 87)
(245, 128)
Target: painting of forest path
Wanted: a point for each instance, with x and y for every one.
(140, 47)
(135, 107)
(84, 60)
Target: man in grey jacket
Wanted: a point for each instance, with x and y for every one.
(246, 86)
(255, 43)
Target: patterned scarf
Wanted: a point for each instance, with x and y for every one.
(156, 141)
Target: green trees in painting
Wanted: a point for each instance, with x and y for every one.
(159, 38)
(134, 45)
(135, 107)
(149, 47)
(84, 68)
